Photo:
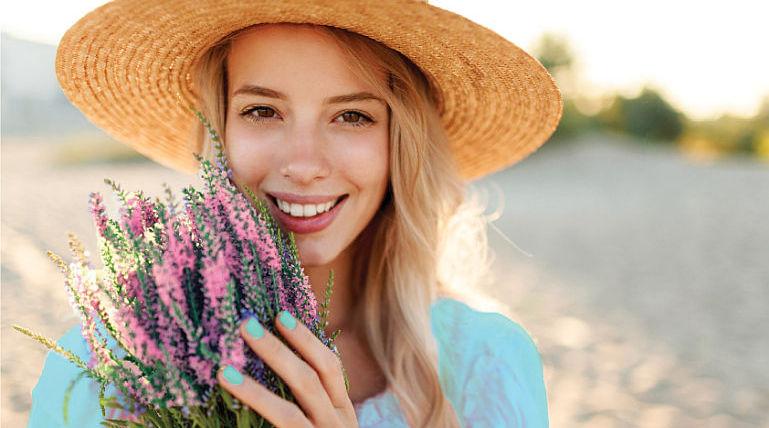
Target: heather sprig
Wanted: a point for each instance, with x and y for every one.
(162, 315)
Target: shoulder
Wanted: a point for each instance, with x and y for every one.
(490, 332)
(495, 366)
(57, 375)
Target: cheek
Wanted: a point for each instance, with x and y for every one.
(367, 163)
(249, 158)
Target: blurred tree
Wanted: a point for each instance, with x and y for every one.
(732, 134)
(554, 52)
(755, 139)
(726, 134)
(762, 146)
(648, 116)
(573, 122)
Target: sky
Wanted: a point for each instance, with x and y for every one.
(707, 58)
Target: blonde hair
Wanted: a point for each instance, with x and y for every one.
(425, 229)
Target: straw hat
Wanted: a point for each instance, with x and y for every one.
(126, 65)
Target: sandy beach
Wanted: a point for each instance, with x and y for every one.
(642, 276)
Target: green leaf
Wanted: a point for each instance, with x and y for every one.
(68, 395)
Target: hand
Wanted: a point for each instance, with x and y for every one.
(318, 386)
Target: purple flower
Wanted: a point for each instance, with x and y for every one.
(177, 283)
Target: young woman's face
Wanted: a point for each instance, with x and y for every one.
(303, 134)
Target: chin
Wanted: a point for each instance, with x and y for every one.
(315, 254)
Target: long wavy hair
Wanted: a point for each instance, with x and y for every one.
(428, 238)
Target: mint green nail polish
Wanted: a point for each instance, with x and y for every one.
(232, 375)
(287, 320)
(254, 328)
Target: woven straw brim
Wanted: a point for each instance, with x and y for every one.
(126, 66)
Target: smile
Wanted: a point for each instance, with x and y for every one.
(305, 210)
(304, 215)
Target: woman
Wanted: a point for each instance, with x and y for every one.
(360, 144)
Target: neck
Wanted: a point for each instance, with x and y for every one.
(342, 304)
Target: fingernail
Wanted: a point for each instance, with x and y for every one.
(287, 320)
(232, 375)
(254, 328)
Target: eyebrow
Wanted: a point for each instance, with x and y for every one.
(271, 93)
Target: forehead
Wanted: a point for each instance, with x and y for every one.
(292, 57)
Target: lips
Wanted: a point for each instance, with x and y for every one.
(305, 225)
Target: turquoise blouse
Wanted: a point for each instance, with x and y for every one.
(489, 369)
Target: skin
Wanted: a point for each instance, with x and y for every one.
(302, 145)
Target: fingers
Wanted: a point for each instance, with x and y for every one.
(325, 363)
(278, 411)
(303, 380)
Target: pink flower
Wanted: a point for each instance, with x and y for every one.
(215, 278)
(169, 271)
(98, 211)
(203, 368)
(138, 214)
(233, 351)
(179, 292)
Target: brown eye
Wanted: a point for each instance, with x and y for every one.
(264, 112)
(352, 116)
(355, 118)
(258, 113)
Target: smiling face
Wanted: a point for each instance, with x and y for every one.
(304, 133)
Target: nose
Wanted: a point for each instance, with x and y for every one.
(305, 157)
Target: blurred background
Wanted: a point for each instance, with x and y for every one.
(633, 246)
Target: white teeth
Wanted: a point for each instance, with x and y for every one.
(308, 210)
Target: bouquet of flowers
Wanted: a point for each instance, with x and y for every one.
(176, 283)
